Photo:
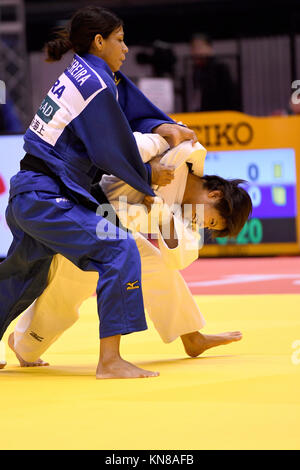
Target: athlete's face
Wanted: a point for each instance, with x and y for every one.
(113, 49)
(201, 204)
(212, 218)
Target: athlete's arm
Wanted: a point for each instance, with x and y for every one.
(141, 114)
(109, 141)
(174, 134)
(151, 147)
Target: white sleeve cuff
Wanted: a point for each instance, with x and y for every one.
(150, 145)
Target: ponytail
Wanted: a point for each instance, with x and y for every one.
(56, 48)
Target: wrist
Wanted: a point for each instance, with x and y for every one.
(160, 127)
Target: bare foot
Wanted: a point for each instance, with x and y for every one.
(196, 343)
(120, 369)
(2, 365)
(23, 363)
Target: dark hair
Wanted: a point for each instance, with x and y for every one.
(234, 207)
(81, 30)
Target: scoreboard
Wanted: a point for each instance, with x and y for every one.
(271, 176)
(266, 153)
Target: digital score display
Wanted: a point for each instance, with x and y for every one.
(271, 184)
(264, 151)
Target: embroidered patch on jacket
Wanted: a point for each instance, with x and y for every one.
(47, 109)
(117, 80)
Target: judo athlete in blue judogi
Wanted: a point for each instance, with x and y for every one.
(85, 123)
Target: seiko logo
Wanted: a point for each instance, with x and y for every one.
(132, 285)
(215, 135)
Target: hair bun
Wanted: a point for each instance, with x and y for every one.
(58, 47)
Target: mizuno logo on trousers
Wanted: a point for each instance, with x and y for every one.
(132, 285)
(35, 336)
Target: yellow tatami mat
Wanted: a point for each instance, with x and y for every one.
(242, 396)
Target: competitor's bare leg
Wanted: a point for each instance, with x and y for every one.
(112, 366)
(23, 363)
(196, 343)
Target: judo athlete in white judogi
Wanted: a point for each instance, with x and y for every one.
(168, 301)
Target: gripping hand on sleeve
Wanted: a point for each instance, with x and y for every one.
(174, 134)
(161, 174)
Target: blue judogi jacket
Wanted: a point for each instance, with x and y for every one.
(86, 122)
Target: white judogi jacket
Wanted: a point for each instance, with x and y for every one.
(127, 201)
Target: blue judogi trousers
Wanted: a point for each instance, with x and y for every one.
(45, 223)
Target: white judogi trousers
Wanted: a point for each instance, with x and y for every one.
(168, 301)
